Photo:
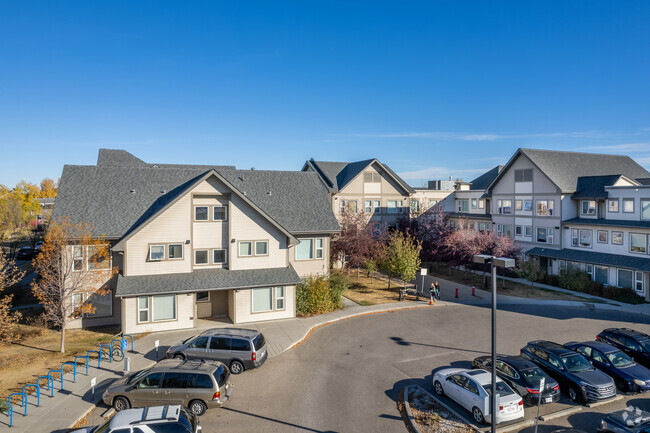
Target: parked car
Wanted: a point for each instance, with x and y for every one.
(523, 376)
(195, 384)
(239, 349)
(629, 420)
(579, 379)
(471, 389)
(627, 374)
(38, 246)
(154, 419)
(25, 253)
(634, 343)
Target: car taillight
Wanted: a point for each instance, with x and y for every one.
(216, 395)
(556, 387)
(521, 403)
(253, 356)
(532, 391)
(598, 338)
(500, 407)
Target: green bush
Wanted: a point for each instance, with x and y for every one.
(318, 295)
(573, 279)
(580, 281)
(622, 295)
(4, 406)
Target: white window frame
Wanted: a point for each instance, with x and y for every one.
(519, 230)
(528, 205)
(169, 257)
(474, 203)
(519, 205)
(313, 249)
(151, 259)
(225, 256)
(628, 200)
(528, 231)
(342, 208)
(499, 229)
(463, 205)
(214, 208)
(481, 204)
(645, 243)
(153, 312)
(591, 210)
(137, 300)
(550, 205)
(376, 204)
(277, 297)
(415, 205)
(537, 235)
(591, 245)
(207, 257)
(257, 290)
(209, 298)
(267, 248)
(239, 254)
(499, 207)
(507, 207)
(644, 200)
(318, 251)
(618, 270)
(638, 278)
(207, 213)
(81, 258)
(367, 206)
(610, 202)
(393, 208)
(400, 206)
(598, 233)
(618, 233)
(356, 206)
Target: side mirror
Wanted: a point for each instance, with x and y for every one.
(448, 378)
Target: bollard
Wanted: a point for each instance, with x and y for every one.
(473, 291)
(127, 364)
(456, 291)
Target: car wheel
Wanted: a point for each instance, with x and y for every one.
(437, 387)
(198, 407)
(236, 367)
(121, 403)
(179, 356)
(478, 415)
(574, 395)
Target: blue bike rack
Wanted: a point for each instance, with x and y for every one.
(60, 371)
(23, 400)
(11, 414)
(74, 370)
(50, 383)
(38, 393)
(131, 337)
(110, 351)
(87, 358)
(99, 356)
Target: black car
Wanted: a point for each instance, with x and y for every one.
(629, 420)
(627, 374)
(577, 377)
(25, 253)
(523, 376)
(634, 343)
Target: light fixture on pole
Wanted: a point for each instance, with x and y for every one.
(494, 262)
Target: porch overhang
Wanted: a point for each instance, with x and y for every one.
(205, 280)
(603, 259)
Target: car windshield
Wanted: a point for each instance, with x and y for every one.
(645, 344)
(532, 375)
(502, 389)
(137, 376)
(576, 363)
(102, 427)
(620, 359)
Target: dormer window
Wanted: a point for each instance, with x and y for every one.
(588, 207)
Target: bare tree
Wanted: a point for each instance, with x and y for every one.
(71, 262)
(9, 275)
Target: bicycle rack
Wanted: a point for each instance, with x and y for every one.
(50, 383)
(110, 351)
(38, 393)
(87, 358)
(74, 371)
(99, 357)
(11, 414)
(23, 400)
(60, 371)
(131, 337)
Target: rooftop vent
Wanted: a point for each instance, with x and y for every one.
(252, 168)
(132, 191)
(164, 191)
(269, 193)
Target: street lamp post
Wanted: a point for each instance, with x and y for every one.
(494, 262)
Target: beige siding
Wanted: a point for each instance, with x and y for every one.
(243, 301)
(204, 309)
(90, 322)
(231, 306)
(184, 316)
(219, 300)
(305, 268)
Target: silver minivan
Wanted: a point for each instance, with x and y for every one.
(239, 349)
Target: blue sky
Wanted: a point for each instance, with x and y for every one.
(433, 88)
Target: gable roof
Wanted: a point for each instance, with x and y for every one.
(337, 175)
(122, 158)
(593, 187)
(564, 168)
(484, 180)
(116, 201)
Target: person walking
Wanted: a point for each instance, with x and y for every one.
(432, 294)
(436, 287)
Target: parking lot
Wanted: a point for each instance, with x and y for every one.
(346, 376)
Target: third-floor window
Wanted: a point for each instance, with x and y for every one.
(588, 207)
(545, 207)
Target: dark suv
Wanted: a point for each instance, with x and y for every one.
(572, 370)
(634, 343)
(239, 349)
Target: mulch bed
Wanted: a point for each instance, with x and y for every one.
(431, 416)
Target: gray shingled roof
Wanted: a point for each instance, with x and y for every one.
(608, 223)
(564, 168)
(117, 200)
(603, 259)
(484, 180)
(122, 158)
(338, 174)
(205, 279)
(594, 186)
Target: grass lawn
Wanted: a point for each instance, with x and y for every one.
(511, 288)
(367, 291)
(38, 352)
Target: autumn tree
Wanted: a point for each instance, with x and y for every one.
(432, 229)
(401, 257)
(9, 275)
(48, 188)
(71, 262)
(355, 241)
(531, 271)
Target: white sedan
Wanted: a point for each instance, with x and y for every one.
(471, 389)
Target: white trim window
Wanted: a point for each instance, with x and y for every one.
(220, 213)
(78, 261)
(507, 207)
(391, 206)
(305, 249)
(261, 248)
(279, 298)
(499, 230)
(574, 237)
(474, 203)
(266, 299)
(617, 238)
(518, 230)
(602, 236)
(353, 206)
(201, 257)
(342, 206)
(507, 230)
(203, 296)
(163, 307)
(588, 207)
(318, 245)
(481, 204)
(586, 238)
(376, 205)
(367, 208)
(156, 253)
(220, 256)
(463, 205)
(645, 209)
(519, 205)
(415, 205)
(175, 251)
(528, 205)
(201, 213)
(628, 205)
(499, 208)
(544, 235)
(245, 249)
(528, 231)
(625, 278)
(545, 207)
(400, 206)
(143, 309)
(638, 243)
(613, 205)
(601, 274)
(638, 282)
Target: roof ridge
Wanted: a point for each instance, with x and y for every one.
(575, 153)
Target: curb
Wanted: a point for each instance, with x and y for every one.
(602, 403)
(407, 406)
(560, 413)
(365, 313)
(443, 404)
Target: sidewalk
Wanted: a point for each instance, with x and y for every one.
(59, 413)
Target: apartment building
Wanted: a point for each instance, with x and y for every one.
(424, 199)
(194, 242)
(364, 186)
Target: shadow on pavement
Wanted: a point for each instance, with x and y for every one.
(400, 341)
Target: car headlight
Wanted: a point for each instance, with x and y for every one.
(603, 425)
(105, 394)
(639, 382)
(583, 384)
